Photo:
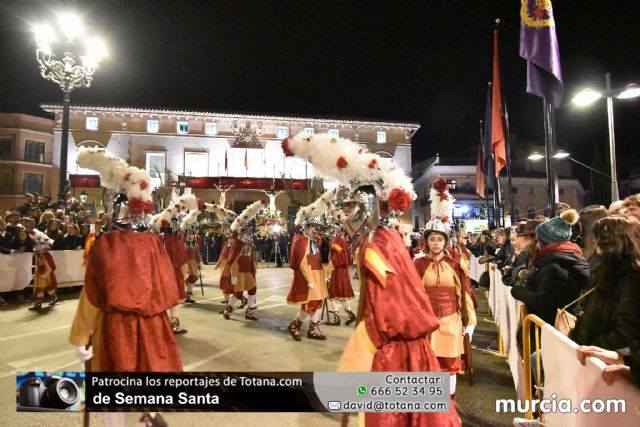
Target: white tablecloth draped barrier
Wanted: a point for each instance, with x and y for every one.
(568, 379)
(564, 375)
(16, 270)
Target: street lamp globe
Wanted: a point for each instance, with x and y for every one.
(66, 72)
(561, 154)
(586, 97)
(630, 91)
(535, 156)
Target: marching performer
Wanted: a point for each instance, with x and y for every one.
(308, 287)
(121, 322)
(223, 217)
(189, 228)
(447, 285)
(241, 263)
(340, 290)
(45, 278)
(395, 317)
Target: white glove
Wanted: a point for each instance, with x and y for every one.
(234, 280)
(311, 285)
(83, 353)
(468, 330)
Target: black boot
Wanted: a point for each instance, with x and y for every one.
(189, 299)
(249, 314)
(352, 318)
(244, 302)
(54, 300)
(294, 329)
(334, 319)
(37, 305)
(227, 311)
(314, 332)
(177, 330)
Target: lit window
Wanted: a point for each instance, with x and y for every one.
(92, 123)
(211, 128)
(334, 133)
(196, 164)
(530, 190)
(308, 131)
(283, 132)
(153, 126)
(381, 137)
(183, 127)
(156, 166)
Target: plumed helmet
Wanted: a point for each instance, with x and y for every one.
(436, 226)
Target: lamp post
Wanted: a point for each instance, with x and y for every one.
(588, 97)
(66, 72)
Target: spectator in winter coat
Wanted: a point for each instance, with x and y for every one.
(559, 271)
(72, 240)
(611, 318)
(588, 217)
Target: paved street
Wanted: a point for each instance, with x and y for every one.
(32, 341)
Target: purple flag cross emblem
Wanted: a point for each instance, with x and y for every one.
(539, 46)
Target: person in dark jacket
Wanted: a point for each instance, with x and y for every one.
(72, 240)
(526, 245)
(22, 242)
(504, 249)
(559, 271)
(611, 318)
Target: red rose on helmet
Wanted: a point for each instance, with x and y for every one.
(399, 200)
(373, 163)
(285, 148)
(440, 185)
(341, 162)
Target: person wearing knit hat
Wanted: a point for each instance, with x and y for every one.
(558, 273)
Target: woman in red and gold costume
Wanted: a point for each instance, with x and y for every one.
(241, 264)
(447, 285)
(394, 318)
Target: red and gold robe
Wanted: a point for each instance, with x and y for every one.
(45, 278)
(242, 265)
(396, 321)
(338, 270)
(307, 269)
(446, 282)
(177, 251)
(129, 285)
(225, 270)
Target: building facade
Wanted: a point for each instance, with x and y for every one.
(26, 156)
(529, 191)
(205, 150)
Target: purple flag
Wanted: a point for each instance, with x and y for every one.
(539, 46)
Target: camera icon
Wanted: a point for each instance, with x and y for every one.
(53, 393)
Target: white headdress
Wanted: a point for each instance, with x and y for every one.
(403, 228)
(317, 208)
(247, 215)
(441, 208)
(352, 165)
(184, 203)
(220, 212)
(118, 174)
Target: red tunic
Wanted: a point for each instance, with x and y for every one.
(175, 247)
(130, 278)
(225, 271)
(340, 283)
(300, 291)
(398, 320)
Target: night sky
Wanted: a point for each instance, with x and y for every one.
(426, 62)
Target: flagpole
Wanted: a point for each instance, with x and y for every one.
(549, 139)
(486, 199)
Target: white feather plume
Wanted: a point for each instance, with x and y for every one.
(441, 208)
(220, 212)
(189, 219)
(116, 173)
(403, 228)
(247, 215)
(317, 208)
(38, 236)
(324, 151)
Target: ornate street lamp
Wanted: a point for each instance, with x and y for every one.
(66, 72)
(588, 97)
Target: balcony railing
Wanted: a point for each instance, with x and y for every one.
(46, 161)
